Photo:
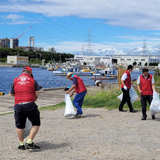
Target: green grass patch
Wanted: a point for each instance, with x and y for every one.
(106, 99)
(6, 113)
(53, 107)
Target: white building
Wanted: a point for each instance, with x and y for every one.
(141, 60)
(93, 60)
(17, 60)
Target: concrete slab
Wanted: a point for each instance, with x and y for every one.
(46, 98)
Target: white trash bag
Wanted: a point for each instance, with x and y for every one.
(155, 104)
(133, 95)
(69, 109)
(27, 128)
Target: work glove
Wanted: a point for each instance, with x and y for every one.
(125, 87)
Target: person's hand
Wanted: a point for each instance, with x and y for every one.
(140, 91)
(125, 87)
(71, 94)
(67, 91)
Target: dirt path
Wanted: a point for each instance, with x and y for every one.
(100, 134)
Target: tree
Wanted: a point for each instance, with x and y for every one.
(140, 63)
(146, 64)
(134, 63)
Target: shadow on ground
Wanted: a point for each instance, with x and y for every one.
(47, 145)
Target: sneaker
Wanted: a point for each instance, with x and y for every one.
(32, 146)
(144, 117)
(122, 110)
(133, 111)
(153, 117)
(78, 115)
(21, 147)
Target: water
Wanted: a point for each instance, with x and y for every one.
(45, 78)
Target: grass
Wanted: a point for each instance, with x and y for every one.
(6, 113)
(106, 99)
(53, 107)
(99, 99)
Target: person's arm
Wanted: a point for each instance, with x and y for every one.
(37, 88)
(138, 85)
(12, 89)
(153, 85)
(72, 87)
(124, 77)
(36, 95)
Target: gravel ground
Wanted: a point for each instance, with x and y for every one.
(100, 134)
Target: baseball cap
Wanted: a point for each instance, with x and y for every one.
(27, 69)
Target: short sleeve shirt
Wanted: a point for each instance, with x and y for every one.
(124, 77)
(138, 80)
(74, 79)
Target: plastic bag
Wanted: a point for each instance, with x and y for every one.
(69, 109)
(155, 104)
(133, 95)
(27, 128)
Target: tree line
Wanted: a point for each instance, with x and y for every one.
(34, 56)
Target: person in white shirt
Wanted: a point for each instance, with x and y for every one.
(126, 85)
(145, 84)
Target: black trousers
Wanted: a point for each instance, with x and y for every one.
(144, 100)
(126, 98)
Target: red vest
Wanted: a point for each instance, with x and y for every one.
(127, 81)
(24, 89)
(146, 85)
(80, 87)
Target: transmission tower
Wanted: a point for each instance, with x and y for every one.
(144, 47)
(89, 45)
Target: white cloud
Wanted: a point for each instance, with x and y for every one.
(137, 14)
(14, 19)
(102, 49)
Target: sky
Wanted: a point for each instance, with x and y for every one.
(103, 27)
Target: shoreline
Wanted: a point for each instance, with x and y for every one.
(5, 65)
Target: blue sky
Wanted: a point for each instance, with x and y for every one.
(117, 27)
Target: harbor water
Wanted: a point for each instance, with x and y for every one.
(45, 78)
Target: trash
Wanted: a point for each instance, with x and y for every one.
(69, 109)
(133, 95)
(27, 128)
(155, 104)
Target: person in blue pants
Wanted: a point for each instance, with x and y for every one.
(78, 87)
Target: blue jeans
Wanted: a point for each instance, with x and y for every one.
(78, 100)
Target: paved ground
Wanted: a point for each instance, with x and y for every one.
(46, 98)
(99, 135)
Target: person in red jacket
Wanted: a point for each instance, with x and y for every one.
(126, 85)
(25, 91)
(78, 87)
(145, 84)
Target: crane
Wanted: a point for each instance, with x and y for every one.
(18, 37)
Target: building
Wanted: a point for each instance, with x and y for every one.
(140, 60)
(52, 50)
(94, 60)
(20, 60)
(9, 43)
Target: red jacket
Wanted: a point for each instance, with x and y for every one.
(127, 81)
(24, 89)
(80, 87)
(146, 85)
